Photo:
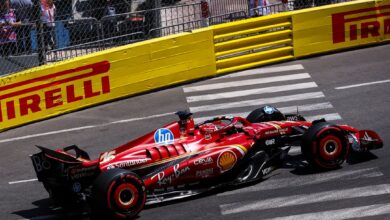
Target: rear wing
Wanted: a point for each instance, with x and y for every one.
(64, 156)
(50, 163)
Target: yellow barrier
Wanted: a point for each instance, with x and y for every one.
(340, 26)
(78, 83)
(54, 89)
(253, 42)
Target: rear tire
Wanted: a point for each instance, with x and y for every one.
(325, 146)
(118, 194)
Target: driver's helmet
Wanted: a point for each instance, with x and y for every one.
(272, 114)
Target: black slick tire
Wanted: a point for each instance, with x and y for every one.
(325, 146)
(117, 194)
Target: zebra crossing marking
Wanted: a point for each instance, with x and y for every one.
(264, 90)
(247, 82)
(339, 214)
(302, 199)
(258, 102)
(264, 70)
(286, 110)
(289, 79)
(327, 117)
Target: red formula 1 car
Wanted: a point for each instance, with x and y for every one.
(182, 159)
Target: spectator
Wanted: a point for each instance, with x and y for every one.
(109, 21)
(258, 7)
(48, 11)
(252, 7)
(23, 11)
(8, 23)
(262, 8)
(110, 9)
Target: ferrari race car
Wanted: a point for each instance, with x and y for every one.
(183, 159)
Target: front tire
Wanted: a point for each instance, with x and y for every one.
(325, 146)
(118, 194)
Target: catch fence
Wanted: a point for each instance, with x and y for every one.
(47, 31)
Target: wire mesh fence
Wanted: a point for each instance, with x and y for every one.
(36, 32)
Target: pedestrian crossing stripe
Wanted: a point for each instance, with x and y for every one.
(258, 102)
(248, 82)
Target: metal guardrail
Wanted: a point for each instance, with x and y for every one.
(251, 43)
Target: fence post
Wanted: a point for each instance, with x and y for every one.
(157, 17)
(205, 9)
(40, 34)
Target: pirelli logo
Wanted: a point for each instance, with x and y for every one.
(25, 98)
(361, 24)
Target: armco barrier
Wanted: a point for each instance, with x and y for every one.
(341, 26)
(258, 41)
(245, 44)
(54, 89)
(96, 78)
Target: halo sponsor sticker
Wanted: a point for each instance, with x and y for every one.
(269, 109)
(226, 160)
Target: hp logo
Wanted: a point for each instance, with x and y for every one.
(163, 136)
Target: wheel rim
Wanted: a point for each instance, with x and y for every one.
(126, 196)
(330, 147)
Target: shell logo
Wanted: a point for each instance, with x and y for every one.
(226, 160)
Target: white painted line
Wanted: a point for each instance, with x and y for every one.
(339, 214)
(263, 71)
(302, 199)
(82, 128)
(306, 108)
(246, 82)
(328, 117)
(285, 110)
(142, 118)
(265, 90)
(258, 102)
(47, 133)
(22, 181)
(363, 84)
(273, 184)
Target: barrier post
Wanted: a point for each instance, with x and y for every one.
(40, 34)
(204, 5)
